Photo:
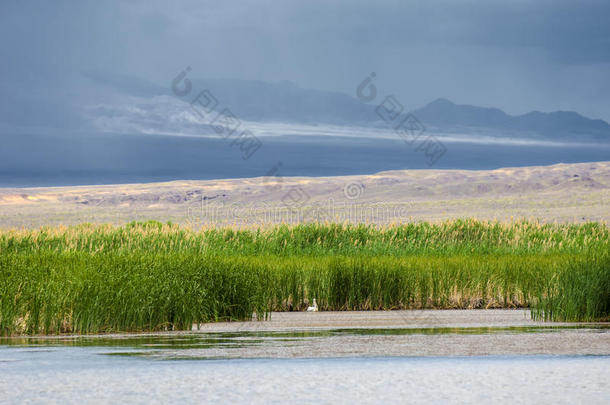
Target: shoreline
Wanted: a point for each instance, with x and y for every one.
(321, 321)
(390, 319)
(353, 334)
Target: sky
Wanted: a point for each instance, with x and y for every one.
(515, 55)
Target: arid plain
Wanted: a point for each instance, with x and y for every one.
(562, 193)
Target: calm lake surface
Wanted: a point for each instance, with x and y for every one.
(88, 374)
(111, 158)
(523, 364)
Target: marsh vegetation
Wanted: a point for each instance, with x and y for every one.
(154, 276)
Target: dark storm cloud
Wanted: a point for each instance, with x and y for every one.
(516, 55)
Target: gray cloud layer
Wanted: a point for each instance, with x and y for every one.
(517, 55)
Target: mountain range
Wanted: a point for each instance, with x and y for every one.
(121, 100)
(284, 101)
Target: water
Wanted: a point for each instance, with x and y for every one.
(381, 365)
(109, 158)
(77, 375)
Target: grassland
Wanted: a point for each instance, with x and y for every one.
(153, 276)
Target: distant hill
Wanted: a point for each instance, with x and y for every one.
(443, 113)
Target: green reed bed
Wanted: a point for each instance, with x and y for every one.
(152, 276)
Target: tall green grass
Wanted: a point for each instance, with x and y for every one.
(152, 276)
(579, 291)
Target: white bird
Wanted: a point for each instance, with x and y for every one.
(314, 308)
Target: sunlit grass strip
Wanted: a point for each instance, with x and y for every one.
(449, 237)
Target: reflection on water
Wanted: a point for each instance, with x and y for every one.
(209, 339)
(245, 344)
(446, 365)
